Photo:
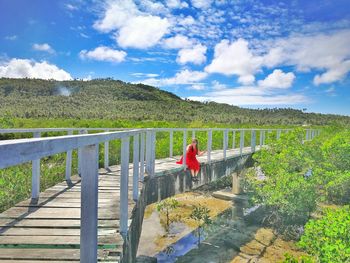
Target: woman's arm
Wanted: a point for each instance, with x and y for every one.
(201, 152)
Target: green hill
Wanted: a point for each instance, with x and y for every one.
(114, 99)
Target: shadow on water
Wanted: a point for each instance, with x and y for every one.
(221, 240)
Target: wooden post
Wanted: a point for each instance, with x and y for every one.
(233, 139)
(142, 156)
(253, 141)
(69, 161)
(136, 156)
(261, 138)
(148, 151)
(106, 161)
(153, 158)
(184, 146)
(264, 137)
(79, 153)
(171, 135)
(236, 189)
(210, 138)
(36, 173)
(89, 202)
(278, 134)
(241, 143)
(124, 185)
(225, 142)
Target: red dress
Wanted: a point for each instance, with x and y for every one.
(191, 160)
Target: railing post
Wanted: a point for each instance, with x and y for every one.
(193, 134)
(79, 153)
(225, 141)
(154, 148)
(89, 202)
(148, 151)
(261, 138)
(241, 142)
(106, 161)
(264, 137)
(210, 138)
(142, 156)
(124, 185)
(136, 155)
(69, 161)
(253, 141)
(278, 134)
(36, 173)
(233, 139)
(171, 139)
(184, 147)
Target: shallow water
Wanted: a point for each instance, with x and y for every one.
(220, 241)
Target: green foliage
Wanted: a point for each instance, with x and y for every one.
(115, 100)
(288, 195)
(303, 259)
(338, 189)
(328, 238)
(201, 215)
(166, 206)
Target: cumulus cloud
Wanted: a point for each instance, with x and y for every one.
(278, 79)
(235, 59)
(103, 53)
(176, 4)
(132, 27)
(184, 77)
(43, 47)
(328, 52)
(195, 55)
(25, 68)
(176, 42)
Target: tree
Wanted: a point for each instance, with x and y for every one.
(201, 215)
(166, 206)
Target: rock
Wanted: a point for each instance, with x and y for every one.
(265, 236)
(253, 248)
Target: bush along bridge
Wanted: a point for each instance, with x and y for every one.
(97, 215)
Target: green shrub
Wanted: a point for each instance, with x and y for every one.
(328, 238)
(338, 189)
(303, 259)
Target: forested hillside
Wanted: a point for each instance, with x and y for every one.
(114, 99)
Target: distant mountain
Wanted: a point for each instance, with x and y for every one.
(115, 99)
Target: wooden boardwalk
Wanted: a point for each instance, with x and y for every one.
(49, 229)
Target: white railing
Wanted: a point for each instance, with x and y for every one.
(15, 152)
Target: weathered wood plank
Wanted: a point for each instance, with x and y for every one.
(54, 223)
(33, 231)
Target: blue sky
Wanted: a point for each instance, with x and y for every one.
(248, 53)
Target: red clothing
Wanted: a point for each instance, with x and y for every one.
(191, 160)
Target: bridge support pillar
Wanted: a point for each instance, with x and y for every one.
(236, 187)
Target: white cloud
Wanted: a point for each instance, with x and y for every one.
(197, 87)
(325, 52)
(178, 41)
(132, 27)
(43, 47)
(148, 75)
(202, 4)
(278, 79)
(187, 21)
(184, 77)
(195, 55)
(142, 32)
(235, 59)
(11, 38)
(216, 85)
(25, 68)
(103, 53)
(176, 4)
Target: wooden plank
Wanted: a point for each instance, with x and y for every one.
(20, 231)
(46, 254)
(53, 223)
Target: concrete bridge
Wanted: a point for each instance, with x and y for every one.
(98, 216)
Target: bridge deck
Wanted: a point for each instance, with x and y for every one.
(49, 229)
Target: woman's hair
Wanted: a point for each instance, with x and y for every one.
(197, 144)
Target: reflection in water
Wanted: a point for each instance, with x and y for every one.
(223, 238)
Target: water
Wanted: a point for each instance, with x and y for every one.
(220, 241)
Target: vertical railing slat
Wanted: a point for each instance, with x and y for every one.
(233, 139)
(124, 185)
(79, 153)
(136, 156)
(36, 173)
(184, 147)
(106, 153)
(89, 204)
(142, 156)
(225, 142)
(69, 161)
(210, 139)
(253, 140)
(171, 143)
(241, 142)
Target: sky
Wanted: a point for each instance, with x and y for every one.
(249, 53)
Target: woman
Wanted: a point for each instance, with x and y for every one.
(191, 161)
